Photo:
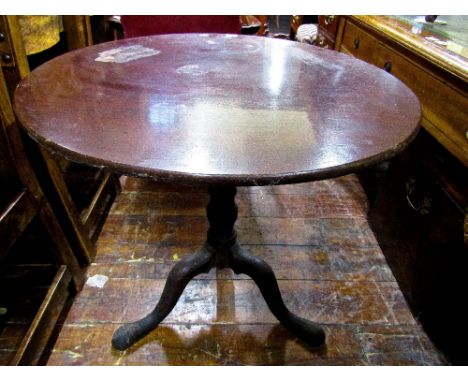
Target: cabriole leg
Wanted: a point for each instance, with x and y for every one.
(178, 278)
(262, 274)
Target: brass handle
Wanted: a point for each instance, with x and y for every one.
(356, 43)
(329, 19)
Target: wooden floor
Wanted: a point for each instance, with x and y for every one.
(317, 240)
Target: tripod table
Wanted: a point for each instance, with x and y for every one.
(222, 111)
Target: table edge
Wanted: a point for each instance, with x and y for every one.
(240, 180)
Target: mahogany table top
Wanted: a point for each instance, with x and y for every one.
(217, 109)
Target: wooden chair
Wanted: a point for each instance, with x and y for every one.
(79, 195)
(21, 201)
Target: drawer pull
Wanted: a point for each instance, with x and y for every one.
(356, 43)
(388, 66)
(2, 37)
(6, 58)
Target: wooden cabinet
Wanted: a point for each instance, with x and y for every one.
(418, 220)
(420, 213)
(438, 78)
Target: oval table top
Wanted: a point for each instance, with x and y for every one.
(217, 109)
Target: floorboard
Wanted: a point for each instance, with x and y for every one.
(315, 236)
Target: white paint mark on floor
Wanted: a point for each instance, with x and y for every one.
(97, 281)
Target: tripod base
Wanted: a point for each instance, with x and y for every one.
(221, 250)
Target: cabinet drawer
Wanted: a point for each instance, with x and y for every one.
(357, 42)
(445, 108)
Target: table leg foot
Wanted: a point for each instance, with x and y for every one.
(262, 274)
(177, 280)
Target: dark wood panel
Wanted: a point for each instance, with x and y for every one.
(420, 229)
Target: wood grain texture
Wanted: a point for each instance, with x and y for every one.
(217, 109)
(332, 271)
